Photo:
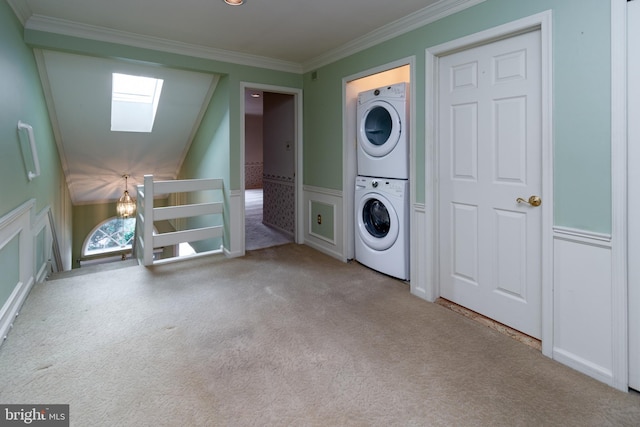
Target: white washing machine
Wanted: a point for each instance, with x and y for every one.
(383, 137)
(382, 224)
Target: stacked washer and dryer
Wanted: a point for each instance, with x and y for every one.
(382, 184)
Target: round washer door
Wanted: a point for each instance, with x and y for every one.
(378, 223)
(380, 128)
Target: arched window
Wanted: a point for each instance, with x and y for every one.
(113, 235)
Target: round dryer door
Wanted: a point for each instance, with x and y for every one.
(380, 129)
(377, 222)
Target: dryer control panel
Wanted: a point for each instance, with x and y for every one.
(394, 91)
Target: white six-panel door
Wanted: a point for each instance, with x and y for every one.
(489, 145)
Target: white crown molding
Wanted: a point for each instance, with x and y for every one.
(401, 26)
(396, 28)
(92, 32)
(21, 9)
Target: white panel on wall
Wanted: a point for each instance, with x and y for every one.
(236, 232)
(19, 223)
(421, 261)
(582, 306)
(328, 197)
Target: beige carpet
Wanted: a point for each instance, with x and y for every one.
(285, 336)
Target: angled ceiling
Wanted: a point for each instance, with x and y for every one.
(290, 35)
(93, 156)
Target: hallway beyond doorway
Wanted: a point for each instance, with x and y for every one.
(258, 235)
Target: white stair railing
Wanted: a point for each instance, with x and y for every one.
(146, 241)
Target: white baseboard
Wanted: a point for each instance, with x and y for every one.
(230, 254)
(582, 365)
(323, 247)
(12, 307)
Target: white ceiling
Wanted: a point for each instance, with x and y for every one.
(291, 35)
(288, 30)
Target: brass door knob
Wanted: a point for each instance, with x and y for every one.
(533, 200)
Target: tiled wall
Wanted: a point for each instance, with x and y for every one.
(253, 175)
(279, 203)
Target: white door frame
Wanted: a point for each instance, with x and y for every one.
(543, 22)
(299, 203)
(619, 205)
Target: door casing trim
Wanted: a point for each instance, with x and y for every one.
(619, 205)
(299, 196)
(543, 22)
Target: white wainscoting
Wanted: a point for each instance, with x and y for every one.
(335, 247)
(236, 229)
(23, 223)
(421, 262)
(582, 302)
(42, 253)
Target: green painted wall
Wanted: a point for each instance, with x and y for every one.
(581, 102)
(21, 98)
(209, 158)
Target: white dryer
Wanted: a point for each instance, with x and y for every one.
(383, 137)
(382, 224)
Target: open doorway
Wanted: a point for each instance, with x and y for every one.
(270, 166)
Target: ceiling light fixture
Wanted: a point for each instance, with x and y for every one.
(126, 206)
(234, 2)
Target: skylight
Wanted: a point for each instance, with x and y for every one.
(134, 102)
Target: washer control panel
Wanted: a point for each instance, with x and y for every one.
(388, 186)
